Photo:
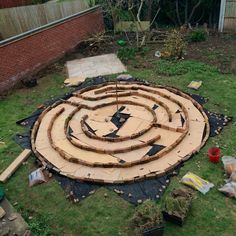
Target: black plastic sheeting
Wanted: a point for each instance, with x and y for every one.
(90, 129)
(155, 149)
(29, 121)
(199, 99)
(133, 192)
(217, 122)
(23, 140)
(119, 118)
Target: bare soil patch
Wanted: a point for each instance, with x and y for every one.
(219, 50)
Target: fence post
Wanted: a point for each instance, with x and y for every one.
(222, 16)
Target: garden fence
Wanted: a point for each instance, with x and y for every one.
(14, 21)
(230, 15)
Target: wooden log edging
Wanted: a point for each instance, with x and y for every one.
(75, 143)
(160, 103)
(152, 174)
(72, 159)
(122, 150)
(118, 139)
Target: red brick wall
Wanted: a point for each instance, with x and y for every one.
(14, 3)
(30, 54)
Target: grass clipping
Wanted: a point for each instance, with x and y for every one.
(146, 217)
(178, 203)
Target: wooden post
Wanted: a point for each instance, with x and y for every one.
(222, 16)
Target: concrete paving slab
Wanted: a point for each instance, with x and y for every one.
(12, 223)
(89, 67)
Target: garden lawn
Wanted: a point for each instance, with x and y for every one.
(211, 214)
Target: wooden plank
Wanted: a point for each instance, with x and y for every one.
(129, 26)
(14, 165)
(230, 24)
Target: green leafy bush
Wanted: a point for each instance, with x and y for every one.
(198, 35)
(126, 54)
(129, 53)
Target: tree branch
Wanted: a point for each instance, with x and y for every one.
(153, 20)
(186, 12)
(158, 10)
(194, 9)
(139, 10)
(200, 18)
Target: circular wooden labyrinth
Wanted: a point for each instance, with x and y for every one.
(116, 133)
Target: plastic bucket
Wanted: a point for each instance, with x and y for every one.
(214, 154)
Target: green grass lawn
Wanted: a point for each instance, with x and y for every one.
(211, 214)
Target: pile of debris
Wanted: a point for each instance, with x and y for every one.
(229, 189)
(11, 222)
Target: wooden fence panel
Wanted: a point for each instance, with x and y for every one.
(230, 8)
(230, 16)
(17, 20)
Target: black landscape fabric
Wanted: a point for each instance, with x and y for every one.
(134, 193)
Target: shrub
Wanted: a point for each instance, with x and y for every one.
(126, 53)
(129, 53)
(174, 45)
(198, 35)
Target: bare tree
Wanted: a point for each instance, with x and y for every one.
(149, 9)
(135, 8)
(137, 20)
(193, 10)
(113, 8)
(182, 12)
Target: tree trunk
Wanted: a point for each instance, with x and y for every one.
(186, 12)
(193, 10)
(177, 11)
(149, 10)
